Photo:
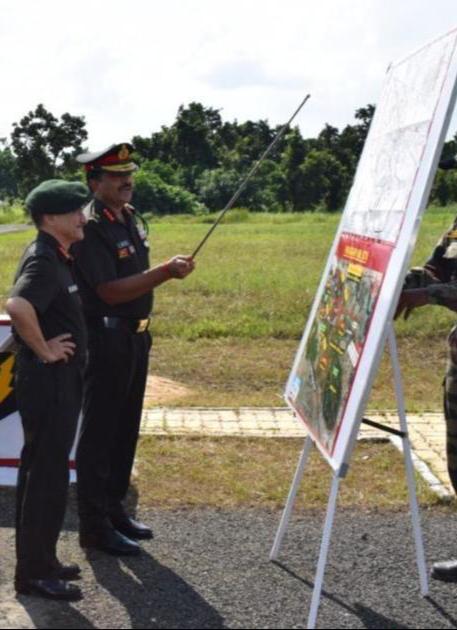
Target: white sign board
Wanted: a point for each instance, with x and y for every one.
(343, 340)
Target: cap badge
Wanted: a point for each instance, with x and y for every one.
(123, 153)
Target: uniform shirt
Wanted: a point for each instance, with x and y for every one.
(111, 250)
(44, 278)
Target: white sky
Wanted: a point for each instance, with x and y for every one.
(127, 66)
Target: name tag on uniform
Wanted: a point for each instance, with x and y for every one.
(125, 249)
(73, 288)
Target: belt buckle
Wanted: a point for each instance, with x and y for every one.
(142, 325)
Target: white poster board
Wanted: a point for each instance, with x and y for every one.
(343, 340)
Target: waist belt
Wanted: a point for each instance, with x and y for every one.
(122, 323)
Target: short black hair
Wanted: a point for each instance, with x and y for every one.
(95, 175)
(37, 219)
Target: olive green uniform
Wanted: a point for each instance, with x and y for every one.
(439, 276)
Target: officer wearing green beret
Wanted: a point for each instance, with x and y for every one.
(116, 284)
(49, 327)
(436, 283)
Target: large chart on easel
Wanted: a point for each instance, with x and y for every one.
(344, 337)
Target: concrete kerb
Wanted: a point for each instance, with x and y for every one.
(426, 432)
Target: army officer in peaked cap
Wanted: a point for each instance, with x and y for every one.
(116, 283)
(49, 327)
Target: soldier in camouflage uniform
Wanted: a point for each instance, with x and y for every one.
(436, 283)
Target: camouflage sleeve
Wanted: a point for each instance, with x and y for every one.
(439, 274)
(443, 260)
(419, 277)
(443, 294)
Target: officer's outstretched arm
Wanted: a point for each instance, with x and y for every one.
(132, 287)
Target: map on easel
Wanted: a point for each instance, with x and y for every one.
(344, 337)
(324, 374)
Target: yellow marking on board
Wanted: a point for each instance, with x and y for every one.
(355, 270)
(6, 378)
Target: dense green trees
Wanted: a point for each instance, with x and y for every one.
(44, 147)
(197, 163)
(8, 172)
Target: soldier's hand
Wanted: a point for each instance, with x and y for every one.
(409, 300)
(60, 348)
(181, 266)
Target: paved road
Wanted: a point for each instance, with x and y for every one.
(209, 569)
(6, 229)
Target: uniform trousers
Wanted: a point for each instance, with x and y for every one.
(49, 402)
(114, 387)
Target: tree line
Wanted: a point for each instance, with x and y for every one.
(196, 164)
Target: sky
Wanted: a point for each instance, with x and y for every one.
(128, 66)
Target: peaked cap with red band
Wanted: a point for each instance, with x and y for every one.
(116, 159)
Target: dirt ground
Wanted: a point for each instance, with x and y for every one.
(164, 391)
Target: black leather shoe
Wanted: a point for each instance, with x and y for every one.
(109, 541)
(50, 588)
(445, 571)
(131, 529)
(67, 571)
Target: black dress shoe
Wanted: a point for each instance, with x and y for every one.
(67, 571)
(109, 541)
(49, 588)
(445, 571)
(130, 528)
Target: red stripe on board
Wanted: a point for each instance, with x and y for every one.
(366, 252)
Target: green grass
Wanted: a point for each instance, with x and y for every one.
(230, 330)
(12, 213)
(256, 472)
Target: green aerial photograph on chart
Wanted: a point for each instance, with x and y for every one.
(326, 368)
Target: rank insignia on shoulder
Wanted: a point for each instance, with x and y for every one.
(452, 234)
(73, 288)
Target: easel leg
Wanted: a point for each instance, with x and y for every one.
(318, 581)
(291, 499)
(420, 554)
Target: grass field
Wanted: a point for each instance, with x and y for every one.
(246, 472)
(230, 331)
(11, 213)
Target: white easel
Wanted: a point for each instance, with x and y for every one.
(340, 474)
(412, 106)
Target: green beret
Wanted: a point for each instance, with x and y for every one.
(57, 196)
